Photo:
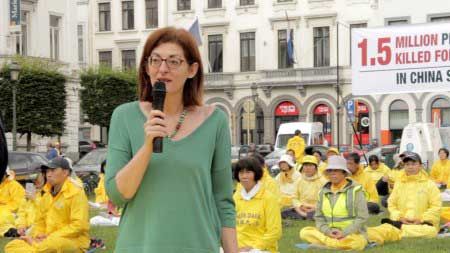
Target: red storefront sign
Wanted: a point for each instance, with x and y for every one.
(362, 108)
(286, 109)
(321, 110)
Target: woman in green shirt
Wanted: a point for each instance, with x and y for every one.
(179, 200)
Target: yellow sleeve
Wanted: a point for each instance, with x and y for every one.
(39, 226)
(273, 225)
(79, 218)
(18, 195)
(100, 193)
(433, 213)
(392, 204)
(435, 171)
(296, 198)
(371, 190)
(21, 221)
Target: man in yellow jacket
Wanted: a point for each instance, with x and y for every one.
(11, 196)
(365, 181)
(258, 220)
(62, 222)
(341, 212)
(440, 171)
(414, 206)
(297, 143)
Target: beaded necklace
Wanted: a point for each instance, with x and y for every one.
(180, 122)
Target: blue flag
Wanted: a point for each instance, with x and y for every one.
(290, 46)
(195, 31)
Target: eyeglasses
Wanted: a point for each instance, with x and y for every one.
(172, 62)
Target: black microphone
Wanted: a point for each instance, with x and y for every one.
(159, 95)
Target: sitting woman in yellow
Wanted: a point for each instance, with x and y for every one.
(441, 169)
(27, 211)
(100, 193)
(414, 206)
(307, 192)
(321, 165)
(341, 212)
(11, 196)
(287, 180)
(258, 220)
(376, 169)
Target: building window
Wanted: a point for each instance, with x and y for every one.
(398, 119)
(353, 26)
(248, 51)
(128, 59)
(215, 50)
(283, 59)
(151, 13)
(22, 39)
(184, 5)
(214, 4)
(321, 46)
(397, 22)
(440, 112)
(104, 15)
(128, 15)
(440, 19)
(247, 2)
(80, 43)
(105, 58)
(54, 36)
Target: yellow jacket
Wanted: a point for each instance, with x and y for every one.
(287, 189)
(66, 215)
(297, 144)
(440, 171)
(100, 193)
(258, 221)
(375, 175)
(11, 194)
(26, 214)
(366, 181)
(415, 197)
(322, 167)
(308, 189)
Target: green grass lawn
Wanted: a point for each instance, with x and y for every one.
(290, 238)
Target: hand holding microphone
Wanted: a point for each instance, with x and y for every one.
(156, 127)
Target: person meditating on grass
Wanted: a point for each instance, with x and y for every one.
(258, 220)
(414, 206)
(62, 222)
(341, 212)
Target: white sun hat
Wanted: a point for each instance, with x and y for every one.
(337, 163)
(287, 159)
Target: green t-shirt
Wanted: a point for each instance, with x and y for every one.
(185, 197)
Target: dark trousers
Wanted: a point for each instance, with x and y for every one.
(292, 214)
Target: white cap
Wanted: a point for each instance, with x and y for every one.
(337, 163)
(287, 159)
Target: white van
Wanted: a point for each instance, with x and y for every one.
(423, 139)
(312, 133)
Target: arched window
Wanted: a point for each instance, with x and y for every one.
(398, 119)
(440, 112)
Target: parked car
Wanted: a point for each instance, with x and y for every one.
(385, 153)
(25, 164)
(85, 146)
(234, 154)
(264, 149)
(88, 168)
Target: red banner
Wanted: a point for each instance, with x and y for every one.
(322, 109)
(286, 109)
(362, 108)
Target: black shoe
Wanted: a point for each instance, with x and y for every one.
(12, 232)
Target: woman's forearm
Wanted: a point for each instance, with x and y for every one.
(129, 178)
(229, 240)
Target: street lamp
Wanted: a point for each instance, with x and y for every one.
(14, 71)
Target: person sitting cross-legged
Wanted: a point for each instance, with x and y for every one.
(258, 219)
(62, 220)
(414, 206)
(11, 196)
(341, 212)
